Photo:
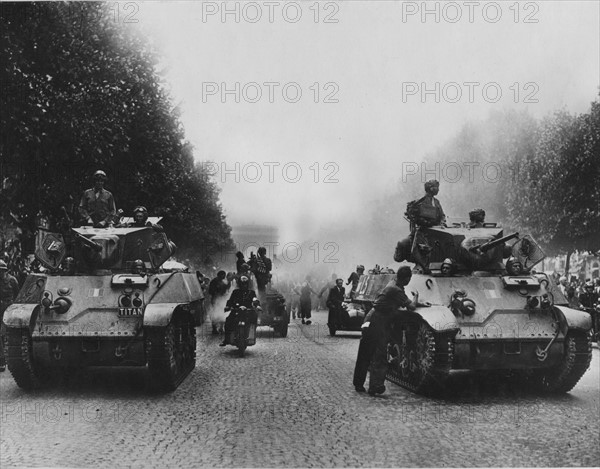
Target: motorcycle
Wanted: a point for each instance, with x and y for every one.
(243, 333)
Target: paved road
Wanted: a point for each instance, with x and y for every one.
(290, 402)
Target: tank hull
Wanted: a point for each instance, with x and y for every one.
(112, 320)
(509, 328)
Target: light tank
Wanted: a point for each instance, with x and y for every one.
(483, 317)
(102, 308)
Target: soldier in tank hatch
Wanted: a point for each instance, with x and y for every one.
(97, 205)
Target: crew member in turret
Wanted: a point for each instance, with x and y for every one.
(376, 336)
(476, 218)
(140, 219)
(241, 297)
(97, 206)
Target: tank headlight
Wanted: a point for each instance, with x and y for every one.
(468, 307)
(532, 302)
(125, 301)
(137, 301)
(61, 305)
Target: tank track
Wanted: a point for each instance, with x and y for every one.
(577, 358)
(419, 358)
(19, 357)
(171, 353)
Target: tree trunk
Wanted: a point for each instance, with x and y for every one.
(567, 262)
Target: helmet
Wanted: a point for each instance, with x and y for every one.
(447, 266)
(588, 285)
(100, 175)
(513, 266)
(138, 266)
(431, 183)
(477, 215)
(244, 280)
(140, 208)
(3, 265)
(360, 267)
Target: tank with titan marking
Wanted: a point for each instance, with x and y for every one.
(107, 304)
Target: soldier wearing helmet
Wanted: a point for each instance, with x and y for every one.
(97, 206)
(9, 288)
(140, 219)
(427, 211)
(241, 297)
(476, 218)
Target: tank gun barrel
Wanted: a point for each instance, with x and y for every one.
(88, 242)
(495, 242)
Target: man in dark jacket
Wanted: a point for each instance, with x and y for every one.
(241, 297)
(261, 266)
(335, 299)
(385, 309)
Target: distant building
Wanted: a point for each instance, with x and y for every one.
(248, 238)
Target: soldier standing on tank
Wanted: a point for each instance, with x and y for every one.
(385, 309)
(97, 206)
(9, 288)
(261, 267)
(354, 278)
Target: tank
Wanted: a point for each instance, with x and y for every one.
(483, 317)
(99, 307)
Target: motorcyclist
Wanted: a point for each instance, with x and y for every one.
(589, 297)
(241, 298)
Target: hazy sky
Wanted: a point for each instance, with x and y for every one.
(367, 71)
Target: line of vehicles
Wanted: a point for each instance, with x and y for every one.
(109, 309)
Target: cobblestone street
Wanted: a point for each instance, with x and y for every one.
(290, 402)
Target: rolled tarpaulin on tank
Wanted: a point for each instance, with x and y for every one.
(19, 314)
(159, 314)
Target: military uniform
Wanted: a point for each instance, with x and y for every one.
(99, 205)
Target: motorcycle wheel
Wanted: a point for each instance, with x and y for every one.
(241, 344)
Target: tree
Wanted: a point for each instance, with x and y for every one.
(556, 196)
(80, 92)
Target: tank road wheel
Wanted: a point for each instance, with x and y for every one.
(420, 359)
(19, 357)
(576, 360)
(171, 352)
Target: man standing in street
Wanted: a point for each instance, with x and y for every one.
(335, 299)
(373, 347)
(9, 288)
(97, 206)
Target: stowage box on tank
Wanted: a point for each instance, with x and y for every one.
(483, 316)
(106, 309)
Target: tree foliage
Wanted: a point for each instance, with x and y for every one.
(557, 195)
(81, 92)
(538, 177)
